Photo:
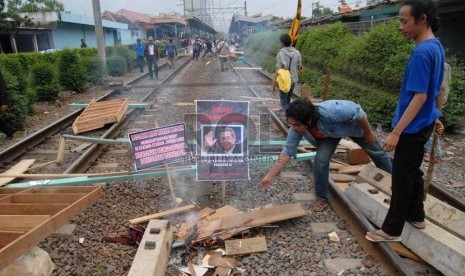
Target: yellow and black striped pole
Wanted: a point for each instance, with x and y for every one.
(294, 31)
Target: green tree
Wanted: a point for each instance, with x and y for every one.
(320, 10)
(11, 20)
(35, 6)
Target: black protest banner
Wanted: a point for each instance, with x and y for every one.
(159, 146)
(221, 134)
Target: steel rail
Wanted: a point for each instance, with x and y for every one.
(18, 149)
(91, 154)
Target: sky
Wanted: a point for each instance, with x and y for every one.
(284, 8)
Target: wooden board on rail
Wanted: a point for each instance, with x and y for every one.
(97, 114)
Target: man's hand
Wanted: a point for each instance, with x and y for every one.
(438, 128)
(209, 140)
(391, 141)
(370, 137)
(266, 182)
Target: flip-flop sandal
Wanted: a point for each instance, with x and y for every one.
(380, 237)
(418, 224)
(320, 206)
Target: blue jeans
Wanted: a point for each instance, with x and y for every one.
(286, 98)
(140, 63)
(326, 148)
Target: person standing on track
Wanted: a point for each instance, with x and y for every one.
(324, 125)
(415, 117)
(151, 54)
(223, 54)
(139, 48)
(288, 58)
(171, 52)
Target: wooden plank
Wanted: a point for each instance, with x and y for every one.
(21, 167)
(21, 222)
(220, 261)
(226, 210)
(205, 212)
(18, 247)
(357, 157)
(351, 169)
(7, 237)
(341, 177)
(162, 214)
(350, 145)
(206, 228)
(245, 246)
(31, 208)
(46, 198)
(264, 216)
(405, 252)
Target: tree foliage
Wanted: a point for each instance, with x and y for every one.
(35, 6)
(10, 19)
(321, 10)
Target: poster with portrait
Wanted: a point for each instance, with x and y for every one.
(221, 135)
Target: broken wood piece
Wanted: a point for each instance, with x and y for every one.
(206, 228)
(335, 166)
(245, 246)
(97, 114)
(220, 261)
(61, 150)
(351, 169)
(357, 157)
(162, 214)
(41, 165)
(226, 210)
(222, 271)
(19, 168)
(341, 177)
(405, 252)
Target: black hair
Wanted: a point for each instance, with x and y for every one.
(285, 39)
(170, 40)
(303, 111)
(424, 7)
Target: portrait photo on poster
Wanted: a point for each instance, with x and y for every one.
(220, 140)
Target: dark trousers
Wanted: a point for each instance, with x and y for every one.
(152, 64)
(407, 182)
(207, 51)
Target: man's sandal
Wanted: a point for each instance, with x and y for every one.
(378, 236)
(418, 224)
(320, 205)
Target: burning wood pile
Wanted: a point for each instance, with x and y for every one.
(205, 233)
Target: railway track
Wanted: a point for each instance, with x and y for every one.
(173, 101)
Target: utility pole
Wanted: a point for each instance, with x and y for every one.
(245, 8)
(99, 33)
(312, 9)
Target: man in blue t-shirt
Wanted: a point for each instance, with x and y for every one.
(171, 52)
(139, 49)
(416, 115)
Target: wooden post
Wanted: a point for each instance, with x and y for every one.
(168, 175)
(325, 91)
(61, 150)
(223, 192)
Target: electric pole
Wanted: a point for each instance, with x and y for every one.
(99, 33)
